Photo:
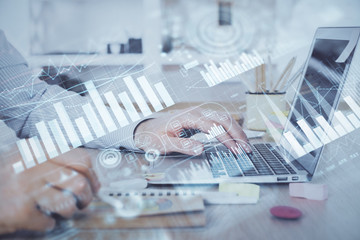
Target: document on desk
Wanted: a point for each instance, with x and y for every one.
(229, 193)
(137, 211)
(149, 202)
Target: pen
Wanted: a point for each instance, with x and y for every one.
(285, 73)
(263, 78)
(286, 76)
(296, 75)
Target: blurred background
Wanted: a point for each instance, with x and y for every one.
(167, 30)
(104, 38)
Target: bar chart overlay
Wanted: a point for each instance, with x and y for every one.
(217, 74)
(101, 115)
(215, 131)
(324, 133)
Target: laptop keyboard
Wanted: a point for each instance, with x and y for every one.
(264, 160)
(276, 161)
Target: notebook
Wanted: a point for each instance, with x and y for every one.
(138, 210)
(150, 202)
(228, 193)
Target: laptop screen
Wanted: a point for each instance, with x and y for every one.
(316, 100)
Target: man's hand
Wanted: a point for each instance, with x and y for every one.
(169, 138)
(59, 186)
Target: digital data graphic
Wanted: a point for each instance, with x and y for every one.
(215, 75)
(137, 119)
(102, 115)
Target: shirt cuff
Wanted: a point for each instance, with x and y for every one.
(121, 138)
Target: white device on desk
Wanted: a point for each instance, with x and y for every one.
(296, 157)
(210, 197)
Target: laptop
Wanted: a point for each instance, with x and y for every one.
(296, 156)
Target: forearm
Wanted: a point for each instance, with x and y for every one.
(26, 101)
(42, 109)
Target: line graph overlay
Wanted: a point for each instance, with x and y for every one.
(58, 135)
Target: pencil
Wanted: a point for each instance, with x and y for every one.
(287, 69)
(263, 78)
(260, 78)
(286, 76)
(256, 80)
(293, 78)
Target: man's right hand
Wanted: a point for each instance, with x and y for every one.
(60, 186)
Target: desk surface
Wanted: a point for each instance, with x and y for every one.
(336, 218)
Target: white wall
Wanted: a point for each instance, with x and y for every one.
(307, 15)
(14, 21)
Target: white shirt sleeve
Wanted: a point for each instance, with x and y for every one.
(25, 100)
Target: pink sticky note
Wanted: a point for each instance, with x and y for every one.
(309, 191)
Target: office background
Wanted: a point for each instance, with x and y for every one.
(169, 33)
(104, 35)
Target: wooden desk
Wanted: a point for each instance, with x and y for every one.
(336, 218)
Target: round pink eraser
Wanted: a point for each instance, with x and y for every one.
(285, 212)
